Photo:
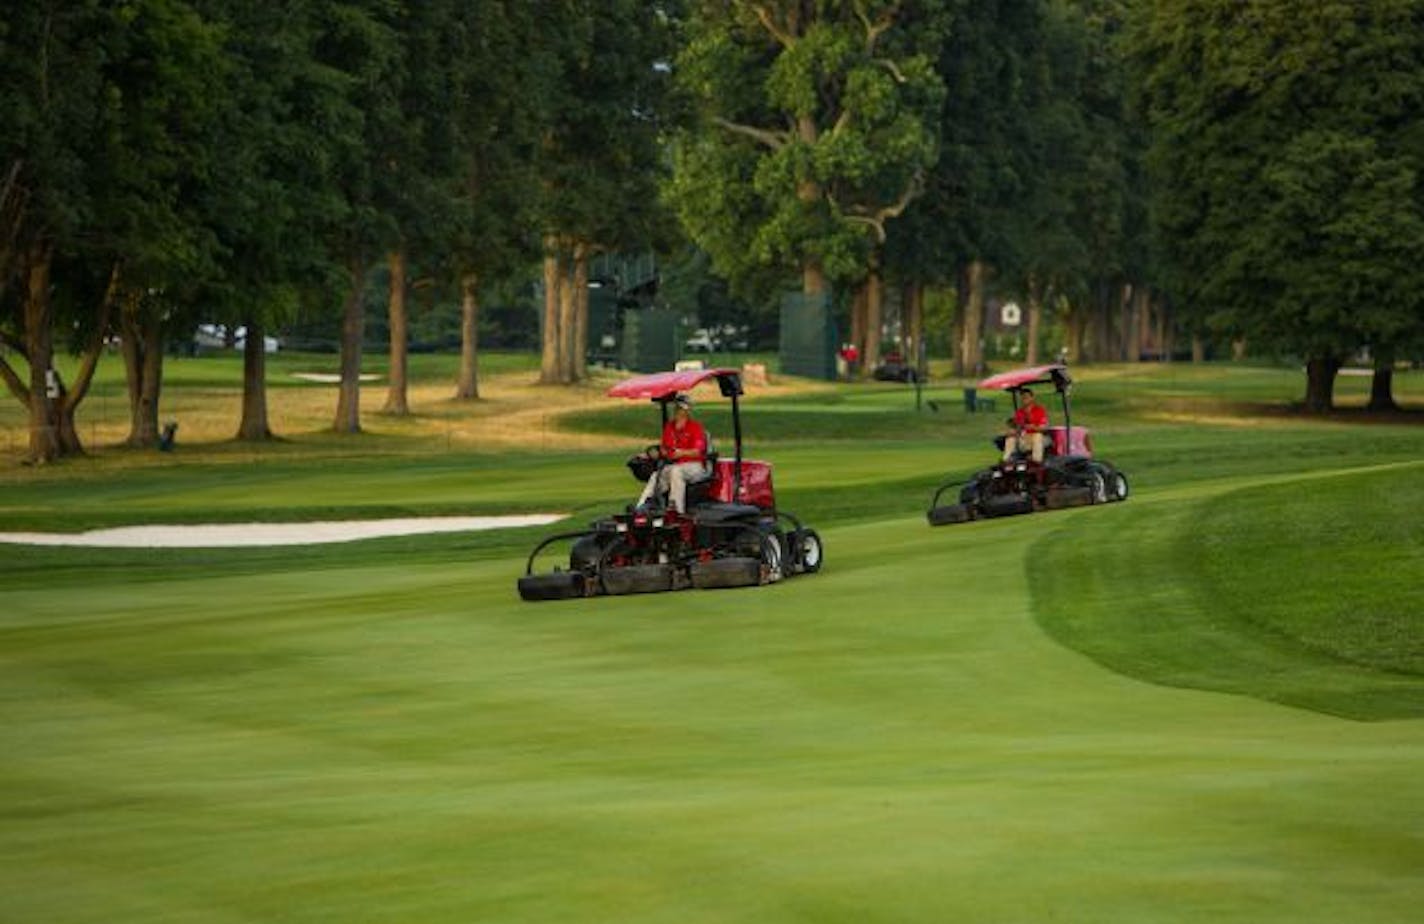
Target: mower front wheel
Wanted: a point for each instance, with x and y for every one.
(807, 553)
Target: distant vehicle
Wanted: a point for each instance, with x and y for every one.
(894, 368)
(214, 337)
(1070, 475)
(716, 339)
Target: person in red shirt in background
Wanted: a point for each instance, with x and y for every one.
(684, 454)
(1028, 423)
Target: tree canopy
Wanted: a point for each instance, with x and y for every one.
(1285, 159)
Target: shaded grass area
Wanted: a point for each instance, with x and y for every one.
(1306, 592)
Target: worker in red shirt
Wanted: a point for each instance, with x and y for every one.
(684, 454)
(1027, 425)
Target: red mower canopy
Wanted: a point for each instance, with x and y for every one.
(661, 386)
(1033, 375)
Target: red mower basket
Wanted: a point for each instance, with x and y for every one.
(1080, 443)
(756, 484)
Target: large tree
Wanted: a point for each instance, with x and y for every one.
(603, 89)
(104, 159)
(1286, 158)
(818, 124)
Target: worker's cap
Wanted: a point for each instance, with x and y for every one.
(682, 401)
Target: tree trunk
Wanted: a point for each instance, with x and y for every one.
(467, 387)
(1238, 350)
(397, 393)
(1320, 383)
(353, 330)
(1141, 323)
(912, 306)
(143, 359)
(1076, 326)
(961, 299)
(253, 427)
(1096, 346)
(874, 318)
(857, 321)
(1382, 383)
(552, 356)
(45, 445)
(578, 348)
(1198, 348)
(131, 349)
(808, 193)
(567, 311)
(1164, 329)
(971, 346)
(1126, 330)
(1035, 320)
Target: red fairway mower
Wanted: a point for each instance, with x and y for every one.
(1069, 476)
(731, 536)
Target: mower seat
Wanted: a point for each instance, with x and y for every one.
(700, 492)
(721, 513)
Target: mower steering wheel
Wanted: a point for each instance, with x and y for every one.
(654, 452)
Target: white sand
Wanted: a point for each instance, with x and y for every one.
(227, 535)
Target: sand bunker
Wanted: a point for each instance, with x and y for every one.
(228, 535)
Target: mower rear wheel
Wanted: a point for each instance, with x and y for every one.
(1117, 486)
(1098, 487)
(773, 557)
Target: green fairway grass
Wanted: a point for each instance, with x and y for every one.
(1203, 705)
(1307, 591)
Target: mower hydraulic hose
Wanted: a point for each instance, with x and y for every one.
(942, 488)
(529, 567)
(795, 523)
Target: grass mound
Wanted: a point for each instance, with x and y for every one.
(1290, 592)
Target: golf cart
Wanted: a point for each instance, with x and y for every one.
(1068, 476)
(732, 535)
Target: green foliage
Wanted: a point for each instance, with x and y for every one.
(1286, 171)
(817, 125)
